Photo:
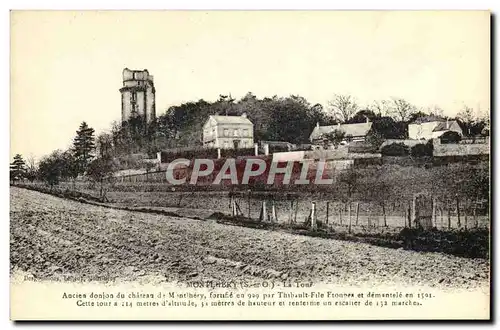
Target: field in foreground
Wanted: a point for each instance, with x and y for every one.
(53, 238)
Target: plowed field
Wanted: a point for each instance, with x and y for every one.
(54, 238)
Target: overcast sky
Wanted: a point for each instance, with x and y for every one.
(66, 66)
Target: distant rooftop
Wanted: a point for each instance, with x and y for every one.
(231, 119)
(360, 129)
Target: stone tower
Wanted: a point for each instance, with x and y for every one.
(138, 95)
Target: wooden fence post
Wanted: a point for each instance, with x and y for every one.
(327, 212)
(357, 213)
(350, 219)
(465, 213)
(274, 218)
(248, 199)
(474, 214)
(459, 224)
(313, 215)
(414, 210)
(433, 223)
(340, 214)
(449, 214)
(349, 215)
(384, 214)
(296, 210)
(409, 215)
(263, 212)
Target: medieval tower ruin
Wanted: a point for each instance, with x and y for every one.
(138, 95)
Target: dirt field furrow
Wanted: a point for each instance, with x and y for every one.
(53, 238)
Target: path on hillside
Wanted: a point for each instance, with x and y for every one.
(54, 238)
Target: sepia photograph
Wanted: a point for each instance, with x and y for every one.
(250, 165)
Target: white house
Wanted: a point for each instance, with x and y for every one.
(353, 132)
(432, 129)
(228, 132)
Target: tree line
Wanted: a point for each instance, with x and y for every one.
(290, 119)
(79, 159)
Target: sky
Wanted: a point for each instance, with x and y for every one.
(66, 66)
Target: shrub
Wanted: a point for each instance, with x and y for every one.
(395, 149)
(278, 148)
(450, 137)
(233, 153)
(422, 150)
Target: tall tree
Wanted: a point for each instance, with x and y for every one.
(84, 146)
(31, 168)
(104, 145)
(17, 168)
(419, 114)
(435, 110)
(55, 167)
(381, 108)
(343, 107)
(362, 116)
(388, 128)
(401, 109)
(100, 170)
(291, 119)
(69, 165)
(467, 119)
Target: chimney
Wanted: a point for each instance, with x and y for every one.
(317, 124)
(367, 120)
(244, 114)
(447, 124)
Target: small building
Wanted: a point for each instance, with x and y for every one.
(352, 132)
(432, 129)
(228, 132)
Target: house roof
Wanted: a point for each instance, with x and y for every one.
(230, 119)
(432, 129)
(442, 126)
(438, 125)
(360, 129)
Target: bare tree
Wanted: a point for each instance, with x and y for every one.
(484, 115)
(466, 114)
(381, 108)
(402, 109)
(467, 117)
(104, 144)
(31, 168)
(436, 111)
(343, 107)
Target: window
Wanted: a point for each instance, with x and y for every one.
(226, 145)
(245, 132)
(226, 132)
(236, 132)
